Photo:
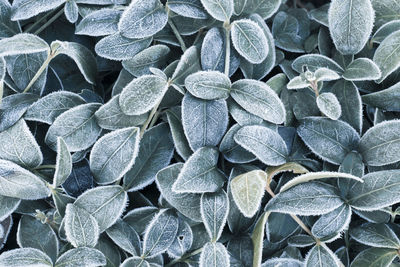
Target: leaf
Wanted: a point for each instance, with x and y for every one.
(186, 203)
(385, 30)
(325, 74)
(374, 257)
(81, 257)
(362, 69)
(155, 153)
(110, 251)
(208, 85)
(330, 140)
(8, 28)
(81, 228)
(183, 240)
(259, 99)
(125, 237)
(387, 55)
(301, 240)
(332, 223)
(387, 99)
(153, 57)
(76, 126)
(80, 179)
(329, 105)
(248, 190)
(25, 257)
(258, 238)
(379, 144)
(7, 206)
(350, 28)
(32, 233)
(188, 64)
(19, 183)
(375, 235)
(385, 11)
(221, 10)
(200, 173)
(49, 107)
(311, 198)
(376, 192)
(143, 19)
(135, 261)
(298, 82)
(265, 8)
(118, 47)
(71, 11)
(19, 146)
(160, 233)
(114, 154)
(321, 255)
(214, 254)
(99, 23)
(180, 142)
(82, 56)
(282, 262)
(204, 121)
(139, 218)
(267, 145)
(314, 62)
(142, 94)
(105, 203)
(25, 9)
(63, 163)
(304, 178)
(249, 40)
(22, 43)
(214, 212)
(188, 8)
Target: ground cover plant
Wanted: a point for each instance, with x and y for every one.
(199, 133)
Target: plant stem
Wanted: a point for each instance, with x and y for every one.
(314, 86)
(184, 257)
(40, 20)
(227, 48)
(149, 119)
(45, 167)
(177, 34)
(50, 21)
(40, 71)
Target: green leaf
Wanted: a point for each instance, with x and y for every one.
(258, 238)
(25, 9)
(49, 107)
(143, 19)
(155, 153)
(71, 11)
(82, 56)
(17, 182)
(186, 203)
(330, 140)
(19, 146)
(76, 126)
(79, 257)
(350, 24)
(61, 201)
(374, 257)
(329, 105)
(125, 237)
(139, 218)
(311, 198)
(214, 212)
(387, 55)
(7, 206)
(259, 99)
(265, 8)
(135, 261)
(332, 223)
(200, 173)
(63, 163)
(385, 30)
(188, 8)
(152, 57)
(205, 128)
(180, 142)
(362, 69)
(118, 47)
(99, 23)
(142, 94)
(110, 251)
(188, 64)
(105, 203)
(213, 255)
(8, 27)
(249, 40)
(114, 154)
(221, 10)
(380, 143)
(378, 191)
(208, 85)
(314, 62)
(248, 190)
(385, 11)
(375, 235)
(22, 43)
(160, 233)
(298, 82)
(81, 228)
(321, 255)
(325, 74)
(387, 99)
(25, 257)
(183, 240)
(304, 178)
(266, 144)
(32, 233)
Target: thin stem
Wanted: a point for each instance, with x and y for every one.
(40, 20)
(155, 118)
(184, 257)
(50, 21)
(227, 48)
(149, 119)
(45, 167)
(40, 71)
(177, 35)
(314, 86)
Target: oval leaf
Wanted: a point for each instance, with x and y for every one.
(209, 85)
(221, 10)
(329, 105)
(214, 212)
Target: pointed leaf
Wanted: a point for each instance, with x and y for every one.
(7, 206)
(78, 257)
(63, 163)
(329, 105)
(387, 99)
(23, 43)
(374, 257)
(321, 255)
(258, 238)
(213, 255)
(209, 85)
(314, 62)
(221, 10)
(375, 235)
(181, 144)
(188, 64)
(125, 237)
(362, 69)
(99, 23)
(214, 212)
(333, 222)
(24, 9)
(387, 56)
(25, 257)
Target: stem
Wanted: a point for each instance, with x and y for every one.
(40, 71)
(155, 117)
(45, 167)
(149, 119)
(50, 21)
(184, 257)
(177, 34)
(227, 48)
(40, 20)
(314, 86)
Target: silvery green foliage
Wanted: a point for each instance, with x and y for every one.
(214, 212)
(314, 62)
(99, 23)
(221, 10)
(114, 154)
(81, 257)
(387, 56)
(376, 235)
(183, 240)
(23, 43)
(362, 69)
(188, 8)
(138, 218)
(8, 206)
(386, 99)
(332, 223)
(375, 257)
(25, 257)
(174, 116)
(24, 9)
(329, 105)
(71, 11)
(350, 28)
(188, 64)
(125, 237)
(214, 254)
(63, 163)
(208, 85)
(385, 30)
(321, 256)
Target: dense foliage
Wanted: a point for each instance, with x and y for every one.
(199, 133)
